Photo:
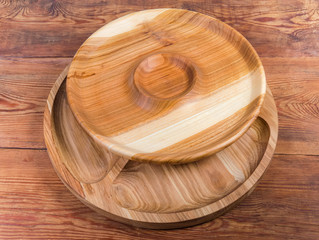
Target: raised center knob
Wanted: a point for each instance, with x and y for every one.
(164, 76)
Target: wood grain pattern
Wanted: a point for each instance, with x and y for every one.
(115, 100)
(293, 82)
(175, 188)
(297, 102)
(35, 204)
(273, 27)
(285, 36)
(22, 99)
(101, 161)
(194, 192)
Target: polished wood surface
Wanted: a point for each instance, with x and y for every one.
(35, 204)
(166, 85)
(152, 195)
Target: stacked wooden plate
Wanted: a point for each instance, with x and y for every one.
(162, 120)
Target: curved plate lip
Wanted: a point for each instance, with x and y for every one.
(129, 153)
(211, 211)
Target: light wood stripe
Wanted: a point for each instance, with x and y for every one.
(202, 140)
(190, 118)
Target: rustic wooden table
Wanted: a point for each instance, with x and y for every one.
(39, 38)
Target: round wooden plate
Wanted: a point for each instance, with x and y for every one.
(150, 195)
(166, 85)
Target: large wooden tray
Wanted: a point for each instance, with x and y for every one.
(162, 120)
(154, 195)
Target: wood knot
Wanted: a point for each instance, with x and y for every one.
(163, 37)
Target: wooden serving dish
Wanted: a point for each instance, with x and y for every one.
(163, 119)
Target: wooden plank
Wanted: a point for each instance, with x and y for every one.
(293, 81)
(25, 86)
(35, 204)
(295, 86)
(58, 28)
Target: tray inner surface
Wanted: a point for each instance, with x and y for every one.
(149, 187)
